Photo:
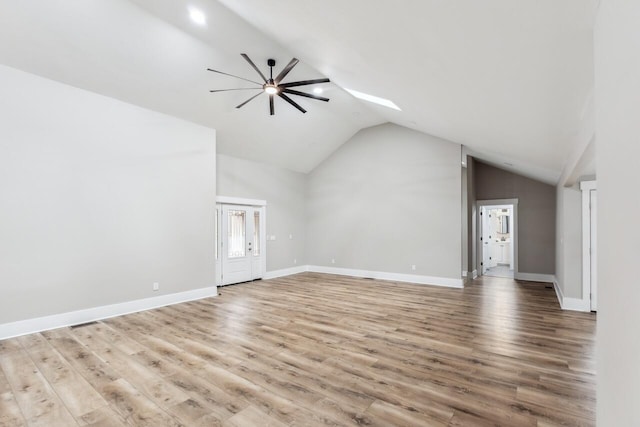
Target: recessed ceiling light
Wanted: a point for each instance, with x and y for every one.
(197, 16)
(318, 90)
(374, 99)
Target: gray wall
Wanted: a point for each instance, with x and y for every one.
(536, 214)
(99, 200)
(617, 99)
(388, 198)
(284, 192)
(569, 241)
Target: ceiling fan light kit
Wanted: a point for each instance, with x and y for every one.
(274, 86)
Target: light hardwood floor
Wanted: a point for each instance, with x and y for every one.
(315, 349)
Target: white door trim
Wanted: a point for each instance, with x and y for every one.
(488, 204)
(586, 187)
(227, 200)
(257, 204)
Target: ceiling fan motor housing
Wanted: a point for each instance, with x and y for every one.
(275, 87)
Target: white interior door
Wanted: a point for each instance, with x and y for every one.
(487, 247)
(512, 233)
(242, 243)
(594, 247)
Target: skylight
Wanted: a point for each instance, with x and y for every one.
(374, 99)
(197, 16)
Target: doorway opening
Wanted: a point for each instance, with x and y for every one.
(497, 238)
(240, 235)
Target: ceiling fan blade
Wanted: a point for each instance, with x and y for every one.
(240, 88)
(304, 83)
(307, 95)
(231, 75)
(286, 70)
(272, 110)
(244, 55)
(250, 99)
(291, 101)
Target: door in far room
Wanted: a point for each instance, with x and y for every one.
(487, 240)
(497, 240)
(241, 243)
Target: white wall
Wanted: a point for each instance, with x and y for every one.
(569, 241)
(387, 199)
(617, 60)
(284, 192)
(99, 199)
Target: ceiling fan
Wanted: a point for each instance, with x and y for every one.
(275, 87)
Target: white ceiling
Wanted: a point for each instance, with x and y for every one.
(509, 80)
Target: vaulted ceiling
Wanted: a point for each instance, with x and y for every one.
(512, 81)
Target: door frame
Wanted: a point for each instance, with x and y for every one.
(587, 187)
(479, 249)
(239, 201)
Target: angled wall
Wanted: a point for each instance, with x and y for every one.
(386, 200)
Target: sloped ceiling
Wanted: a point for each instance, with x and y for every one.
(158, 60)
(509, 80)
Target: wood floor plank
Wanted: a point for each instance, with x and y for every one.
(95, 370)
(144, 380)
(33, 393)
(383, 414)
(4, 383)
(315, 349)
(7, 346)
(252, 417)
(105, 416)
(10, 413)
(135, 408)
(75, 392)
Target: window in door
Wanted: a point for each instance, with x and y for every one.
(236, 233)
(256, 233)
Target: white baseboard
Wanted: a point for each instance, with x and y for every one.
(535, 277)
(475, 274)
(285, 272)
(396, 277)
(39, 324)
(573, 304)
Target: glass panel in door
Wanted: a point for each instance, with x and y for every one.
(256, 233)
(236, 234)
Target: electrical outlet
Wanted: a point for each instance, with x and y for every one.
(333, 261)
(156, 286)
(290, 236)
(295, 261)
(413, 267)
